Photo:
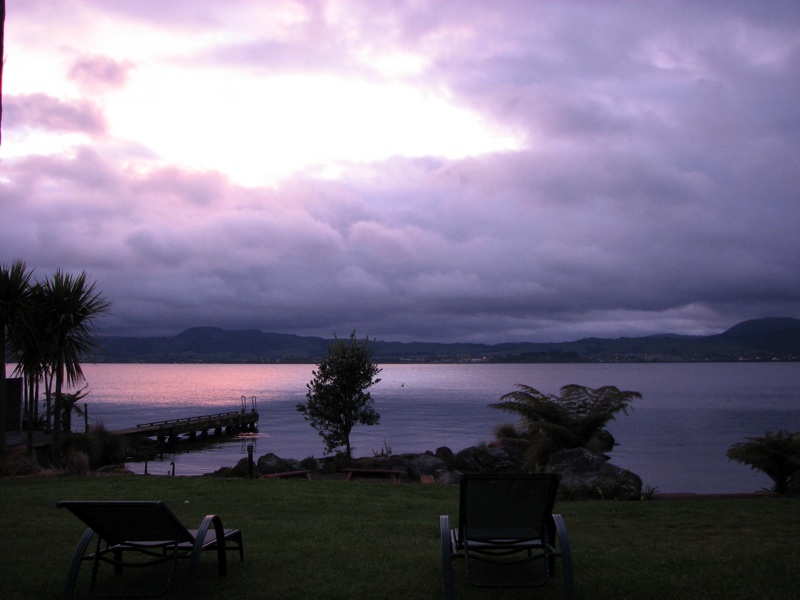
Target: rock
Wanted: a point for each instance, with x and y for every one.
(601, 442)
(271, 463)
(449, 477)
(484, 459)
(293, 464)
(114, 470)
(426, 464)
(222, 472)
(396, 462)
(514, 447)
(585, 473)
(445, 454)
(242, 469)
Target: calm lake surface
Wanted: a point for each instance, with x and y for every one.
(675, 438)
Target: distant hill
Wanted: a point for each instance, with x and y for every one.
(759, 339)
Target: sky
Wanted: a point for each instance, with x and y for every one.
(421, 170)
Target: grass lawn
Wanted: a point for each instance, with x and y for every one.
(338, 540)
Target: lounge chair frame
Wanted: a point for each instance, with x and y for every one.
(507, 520)
(138, 534)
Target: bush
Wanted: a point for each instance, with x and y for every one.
(777, 455)
(18, 463)
(101, 446)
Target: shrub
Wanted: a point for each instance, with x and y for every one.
(101, 446)
(576, 418)
(777, 455)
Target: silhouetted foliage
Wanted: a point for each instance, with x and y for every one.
(574, 419)
(69, 305)
(15, 294)
(337, 398)
(101, 447)
(777, 455)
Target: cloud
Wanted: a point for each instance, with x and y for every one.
(39, 111)
(651, 184)
(97, 73)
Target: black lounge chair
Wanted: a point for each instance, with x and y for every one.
(143, 534)
(508, 521)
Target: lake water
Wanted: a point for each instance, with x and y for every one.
(675, 437)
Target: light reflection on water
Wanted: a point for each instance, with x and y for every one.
(675, 438)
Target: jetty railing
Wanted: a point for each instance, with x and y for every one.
(170, 429)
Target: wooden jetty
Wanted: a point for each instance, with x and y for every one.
(227, 422)
(236, 421)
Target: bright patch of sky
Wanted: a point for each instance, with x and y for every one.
(445, 171)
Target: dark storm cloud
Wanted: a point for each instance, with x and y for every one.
(657, 188)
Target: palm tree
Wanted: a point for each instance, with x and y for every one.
(777, 455)
(69, 306)
(30, 345)
(574, 419)
(14, 297)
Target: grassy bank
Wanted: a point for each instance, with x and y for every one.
(337, 540)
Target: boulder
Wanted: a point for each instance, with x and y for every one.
(484, 459)
(271, 463)
(426, 464)
(514, 447)
(585, 473)
(241, 469)
(445, 454)
(396, 462)
(601, 442)
(449, 477)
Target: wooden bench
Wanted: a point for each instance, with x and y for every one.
(394, 474)
(305, 473)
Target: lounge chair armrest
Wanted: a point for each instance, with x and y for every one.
(566, 555)
(219, 535)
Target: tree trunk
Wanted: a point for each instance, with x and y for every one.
(48, 391)
(57, 413)
(32, 399)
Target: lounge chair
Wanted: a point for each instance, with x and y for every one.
(143, 534)
(508, 521)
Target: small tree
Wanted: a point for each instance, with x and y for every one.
(15, 292)
(337, 398)
(68, 306)
(574, 419)
(777, 455)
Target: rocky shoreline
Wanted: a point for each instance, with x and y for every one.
(584, 474)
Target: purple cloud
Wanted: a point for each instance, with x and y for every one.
(99, 72)
(39, 111)
(655, 190)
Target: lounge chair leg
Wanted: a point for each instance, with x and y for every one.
(447, 556)
(75, 567)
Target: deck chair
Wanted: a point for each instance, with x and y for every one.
(507, 521)
(143, 534)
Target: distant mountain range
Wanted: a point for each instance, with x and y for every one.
(759, 339)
